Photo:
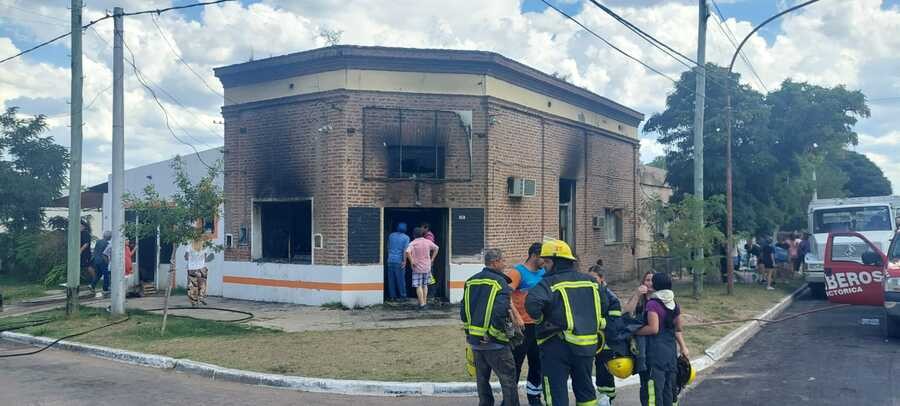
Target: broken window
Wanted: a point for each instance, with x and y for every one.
(283, 231)
(614, 225)
(416, 144)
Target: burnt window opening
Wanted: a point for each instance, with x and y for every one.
(416, 161)
(415, 144)
(284, 232)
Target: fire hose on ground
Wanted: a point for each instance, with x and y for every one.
(39, 322)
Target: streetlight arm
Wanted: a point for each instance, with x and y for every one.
(738, 50)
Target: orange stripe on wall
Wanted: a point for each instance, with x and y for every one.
(280, 283)
(457, 284)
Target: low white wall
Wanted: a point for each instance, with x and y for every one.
(289, 280)
(459, 273)
(287, 283)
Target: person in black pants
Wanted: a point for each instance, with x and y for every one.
(663, 330)
(525, 276)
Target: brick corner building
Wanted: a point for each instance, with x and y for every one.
(327, 150)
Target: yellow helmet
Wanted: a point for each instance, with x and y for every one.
(556, 249)
(621, 367)
(686, 372)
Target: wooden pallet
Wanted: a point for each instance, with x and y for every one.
(148, 289)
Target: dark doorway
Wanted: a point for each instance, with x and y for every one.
(437, 220)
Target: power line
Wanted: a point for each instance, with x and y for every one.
(88, 25)
(36, 13)
(645, 65)
(140, 78)
(626, 54)
(167, 94)
(183, 62)
(662, 46)
(723, 26)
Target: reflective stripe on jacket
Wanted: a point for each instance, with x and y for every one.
(485, 306)
(566, 304)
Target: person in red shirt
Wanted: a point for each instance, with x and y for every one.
(420, 254)
(426, 228)
(129, 257)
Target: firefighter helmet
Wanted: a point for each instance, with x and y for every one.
(686, 372)
(620, 367)
(556, 249)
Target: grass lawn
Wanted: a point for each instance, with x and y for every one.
(408, 354)
(14, 290)
(748, 301)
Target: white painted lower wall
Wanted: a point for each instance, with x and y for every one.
(288, 281)
(460, 273)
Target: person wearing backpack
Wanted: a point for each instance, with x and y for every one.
(663, 330)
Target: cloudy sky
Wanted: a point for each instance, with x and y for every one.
(831, 42)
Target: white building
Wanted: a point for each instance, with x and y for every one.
(151, 259)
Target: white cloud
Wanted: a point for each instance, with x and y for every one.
(853, 43)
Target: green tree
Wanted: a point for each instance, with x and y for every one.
(778, 140)
(658, 162)
(751, 150)
(685, 232)
(176, 217)
(32, 171)
(864, 177)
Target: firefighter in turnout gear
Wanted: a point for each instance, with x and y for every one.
(566, 306)
(611, 310)
(485, 311)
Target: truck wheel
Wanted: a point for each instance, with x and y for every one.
(893, 326)
(817, 290)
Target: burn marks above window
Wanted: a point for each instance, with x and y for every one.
(414, 144)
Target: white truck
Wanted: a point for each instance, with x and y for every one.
(872, 217)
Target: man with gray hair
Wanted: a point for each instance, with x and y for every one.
(485, 310)
(101, 261)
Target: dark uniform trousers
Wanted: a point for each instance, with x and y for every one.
(529, 348)
(606, 382)
(657, 388)
(501, 363)
(558, 363)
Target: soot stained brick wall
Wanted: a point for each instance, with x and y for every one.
(279, 150)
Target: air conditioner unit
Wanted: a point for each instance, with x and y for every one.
(518, 187)
(515, 187)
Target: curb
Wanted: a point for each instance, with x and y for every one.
(734, 340)
(720, 350)
(128, 357)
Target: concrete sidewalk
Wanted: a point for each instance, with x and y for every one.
(298, 318)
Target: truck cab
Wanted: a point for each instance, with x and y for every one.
(858, 272)
(872, 217)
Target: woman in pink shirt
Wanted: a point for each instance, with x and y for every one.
(420, 254)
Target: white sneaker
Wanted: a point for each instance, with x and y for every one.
(603, 400)
(769, 288)
(98, 295)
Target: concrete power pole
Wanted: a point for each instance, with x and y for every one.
(73, 247)
(699, 106)
(117, 262)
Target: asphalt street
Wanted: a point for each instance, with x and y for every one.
(827, 358)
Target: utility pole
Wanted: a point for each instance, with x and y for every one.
(117, 260)
(699, 106)
(73, 246)
(729, 192)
